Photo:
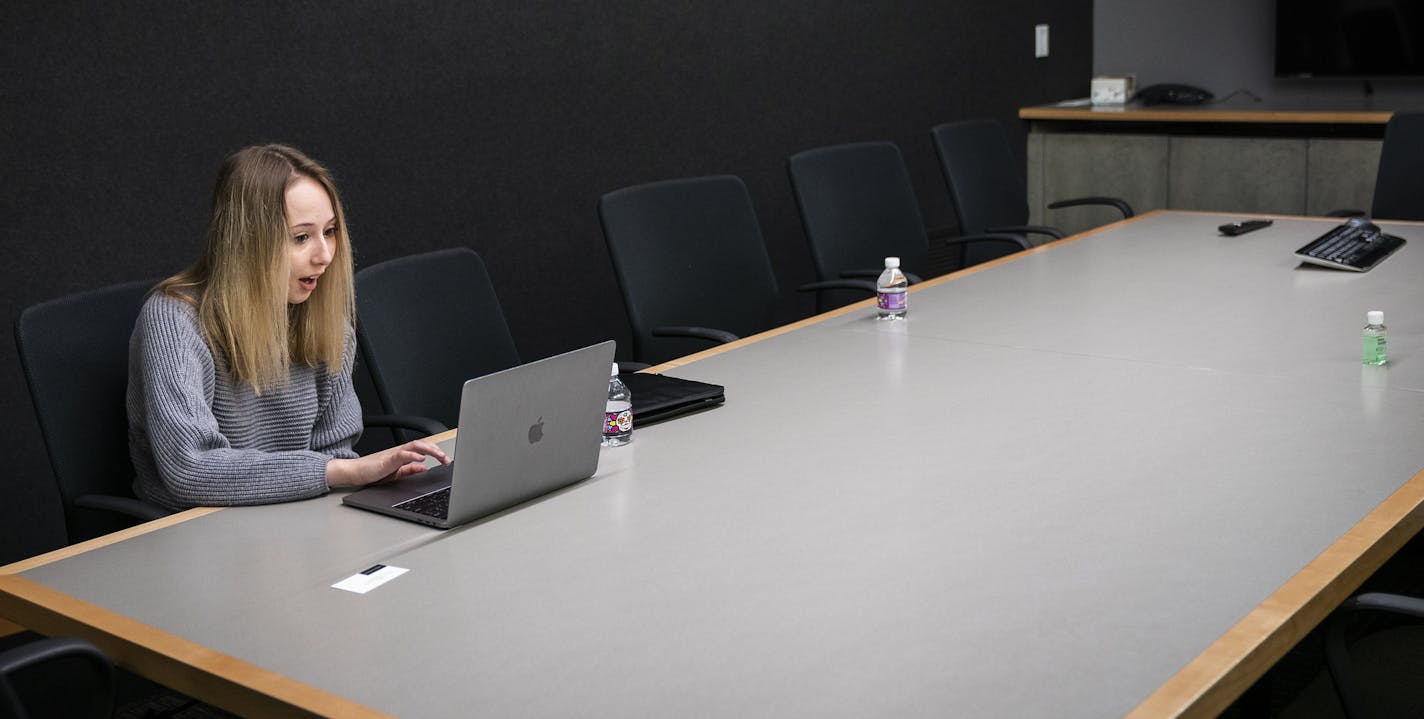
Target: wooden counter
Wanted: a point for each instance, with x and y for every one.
(1237, 156)
(1236, 113)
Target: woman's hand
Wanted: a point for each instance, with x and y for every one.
(390, 463)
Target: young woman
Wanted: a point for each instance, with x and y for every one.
(240, 365)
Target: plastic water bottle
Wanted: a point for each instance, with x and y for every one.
(1374, 352)
(618, 414)
(890, 291)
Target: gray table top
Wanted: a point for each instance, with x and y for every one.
(1043, 494)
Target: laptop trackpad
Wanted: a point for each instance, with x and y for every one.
(393, 492)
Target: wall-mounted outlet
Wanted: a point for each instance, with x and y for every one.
(1040, 41)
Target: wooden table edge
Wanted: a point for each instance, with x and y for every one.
(8, 627)
(183, 665)
(1219, 675)
(72, 550)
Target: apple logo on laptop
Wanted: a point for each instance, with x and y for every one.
(536, 431)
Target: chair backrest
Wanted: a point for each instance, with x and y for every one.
(1399, 186)
(688, 252)
(984, 180)
(858, 207)
(75, 355)
(426, 323)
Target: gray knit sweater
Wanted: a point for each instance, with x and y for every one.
(198, 438)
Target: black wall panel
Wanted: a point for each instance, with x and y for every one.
(492, 125)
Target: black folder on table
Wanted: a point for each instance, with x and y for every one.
(658, 397)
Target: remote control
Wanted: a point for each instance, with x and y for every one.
(1241, 228)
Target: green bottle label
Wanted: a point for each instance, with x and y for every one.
(1374, 350)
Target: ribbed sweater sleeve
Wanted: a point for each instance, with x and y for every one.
(197, 438)
(338, 427)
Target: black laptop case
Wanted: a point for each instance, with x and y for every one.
(658, 397)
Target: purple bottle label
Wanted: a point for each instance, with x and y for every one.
(891, 300)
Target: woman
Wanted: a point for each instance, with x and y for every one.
(240, 365)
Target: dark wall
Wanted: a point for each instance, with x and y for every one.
(1223, 46)
(492, 125)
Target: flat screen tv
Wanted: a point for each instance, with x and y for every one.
(1350, 38)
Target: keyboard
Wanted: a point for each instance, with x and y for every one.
(436, 504)
(1356, 245)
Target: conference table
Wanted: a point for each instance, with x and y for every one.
(1120, 474)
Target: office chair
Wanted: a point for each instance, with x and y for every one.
(858, 207)
(1399, 661)
(66, 675)
(985, 183)
(75, 354)
(691, 264)
(425, 324)
(1399, 185)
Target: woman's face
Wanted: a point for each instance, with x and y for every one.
(312, 236)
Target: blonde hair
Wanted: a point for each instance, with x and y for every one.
(239, 284)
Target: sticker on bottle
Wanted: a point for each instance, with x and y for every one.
(618, 422)
(890, 300)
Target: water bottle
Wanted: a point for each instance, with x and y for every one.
(891, 302)
(1374, 351)
(618, 413)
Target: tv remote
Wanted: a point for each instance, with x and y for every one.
(1241, 228)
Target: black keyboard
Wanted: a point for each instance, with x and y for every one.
(1356, 245)
(436, 504)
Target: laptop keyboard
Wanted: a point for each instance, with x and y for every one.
(436, 504)
(1356, 245)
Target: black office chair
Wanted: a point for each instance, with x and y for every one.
(1391, 688)
(425, 324)
(60, 676)
(1399, 186)
(858, 207)
(985, 182)
(691, 264)
(75, 355)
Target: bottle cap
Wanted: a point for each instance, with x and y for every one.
(1375, 317)
(892, 262)
(615, 370)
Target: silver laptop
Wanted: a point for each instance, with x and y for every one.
(524, 432)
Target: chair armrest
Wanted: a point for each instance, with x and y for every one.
(1381, 602)
(860, 274)
(631, 366)
(1121, 206)
(1337, 653)
(1053, 232)
(50, 648)
(862, 285)
(127, 506)
(702, 333)
(100, 692)
(423, 425)
(1018, 242)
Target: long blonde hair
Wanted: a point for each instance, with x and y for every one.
(239, 284)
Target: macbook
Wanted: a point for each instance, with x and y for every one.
(524, 432)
